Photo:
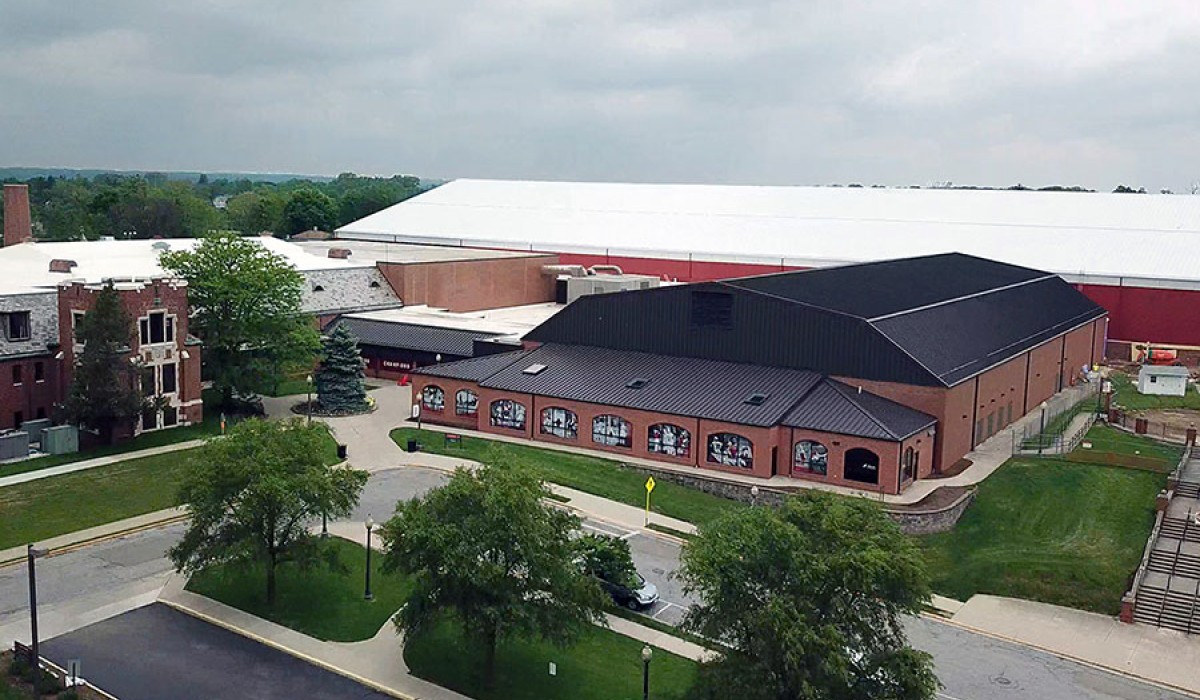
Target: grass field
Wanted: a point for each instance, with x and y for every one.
(1051, 531)
(600, 666)
(38, 510)
(601, 477)
(1106, 439)
(1125, 394)
(321, 602)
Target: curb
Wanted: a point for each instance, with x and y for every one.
(66, 548)
(378, 687)
(1190, 692)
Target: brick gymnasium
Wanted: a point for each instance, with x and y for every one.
(870, 375)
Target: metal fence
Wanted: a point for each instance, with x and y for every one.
(1058, 426)
(1171, 432)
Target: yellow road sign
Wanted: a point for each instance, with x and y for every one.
(649, 484)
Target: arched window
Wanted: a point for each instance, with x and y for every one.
(560, 422)
(861, 465)
(611, 430)
(433, 398)
(466, 402)
(508, 414)
(810, 456)
(731, 450)
(908, 464)
(668, 439)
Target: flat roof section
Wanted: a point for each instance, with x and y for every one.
(372, 252)
(1106, 238)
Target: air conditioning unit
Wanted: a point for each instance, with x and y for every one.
(606, 284)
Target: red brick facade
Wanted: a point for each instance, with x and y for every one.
(29, 388)
(471, 285)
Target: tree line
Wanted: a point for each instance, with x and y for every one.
(150, 205)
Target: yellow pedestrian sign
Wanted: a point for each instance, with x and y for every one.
(649, 488)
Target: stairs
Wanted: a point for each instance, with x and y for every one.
(1171, 599)
(1168, 609)
(1187, 489)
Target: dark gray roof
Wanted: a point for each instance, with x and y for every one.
(473, 369)
(689, 387)
(413, 336)
(833, 407)
(931, 321)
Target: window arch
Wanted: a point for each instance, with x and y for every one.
(560, 422)
(862, 465)
(433, 398)
(669, 439)
(466, 402)
(810, 456)
(908, 464)
(611, 430)
(507, 413)
(731, 450)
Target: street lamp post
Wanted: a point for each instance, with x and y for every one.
(33, 554)
(367, 594)
(647, 652)
(1042, 429)
(308, 406)
(754, 495)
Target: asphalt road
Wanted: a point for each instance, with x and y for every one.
(155, 652)
(75, 585)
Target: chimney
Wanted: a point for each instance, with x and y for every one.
(18, 227)
(60, 265)
(341, 253)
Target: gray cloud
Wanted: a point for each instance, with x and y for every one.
(1074, 92)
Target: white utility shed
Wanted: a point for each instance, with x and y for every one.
(1163, 380)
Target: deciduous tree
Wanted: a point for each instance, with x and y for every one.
(253, 493)
(105, 393)
(308, 209)
(808, 601)
(485, 549)
(246, 308)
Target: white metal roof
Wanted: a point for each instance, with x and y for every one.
(508, 320)
(26, 267)
(1096, 237)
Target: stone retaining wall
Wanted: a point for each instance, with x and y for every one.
(913, 521)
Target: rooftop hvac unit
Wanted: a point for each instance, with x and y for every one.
(604, 284)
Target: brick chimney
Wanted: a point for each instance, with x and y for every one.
(18, 227)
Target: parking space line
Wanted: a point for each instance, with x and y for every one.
(629, 535)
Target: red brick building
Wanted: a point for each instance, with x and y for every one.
(869, 375)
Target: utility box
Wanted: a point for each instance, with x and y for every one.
(14, 445)
(60, 440)
(35, 428)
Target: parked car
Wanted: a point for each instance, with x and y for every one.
(639, 594)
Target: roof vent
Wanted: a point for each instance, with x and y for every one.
(161, 245)
(339, 253)
(756, 399)
(534, 369)
(637, 383)
(59, 265)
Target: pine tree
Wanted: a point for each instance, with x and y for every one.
(104, 392)
(339, 378)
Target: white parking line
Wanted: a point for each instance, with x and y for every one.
(628, 535)
(947, 697)
(666, 606)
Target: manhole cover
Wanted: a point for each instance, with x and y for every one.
(1004, 682)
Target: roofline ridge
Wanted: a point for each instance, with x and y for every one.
(936, 377)
(795, 302)
(973, 295)
(862, 409)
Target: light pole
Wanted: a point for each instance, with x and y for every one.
(1042, 430)
(647, 652)
(367, 594)
(33, 554)
(308, 405)
(754, 495)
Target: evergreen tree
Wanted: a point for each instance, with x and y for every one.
(104, 391)
(339, 378)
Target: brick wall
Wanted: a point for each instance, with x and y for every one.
(471, 285)
(1079, 354)
(449, 415)
(999, 398)
(640, 422)
(1044, 367)
(836, 447)
(31, 398)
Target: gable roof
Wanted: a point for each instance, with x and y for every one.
(413, 336)
(691, 387)
(933, 321)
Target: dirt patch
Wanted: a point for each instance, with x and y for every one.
(938, 498)
(955, 469)
(1176, 419)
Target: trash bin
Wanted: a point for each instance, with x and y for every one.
(412, 445)
(341, 451)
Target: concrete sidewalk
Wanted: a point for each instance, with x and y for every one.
(1160, 656)
(72, 540)
(97, 462)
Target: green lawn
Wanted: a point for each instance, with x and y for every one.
(602, 477)
(1051, 531)
(320, 602)
(1125, 394)
(1106, 439)
(290, 387)
(38, 510)
(602, 665)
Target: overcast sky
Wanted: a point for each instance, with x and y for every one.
(729, 91)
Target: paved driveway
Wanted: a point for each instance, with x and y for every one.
(155, 652)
